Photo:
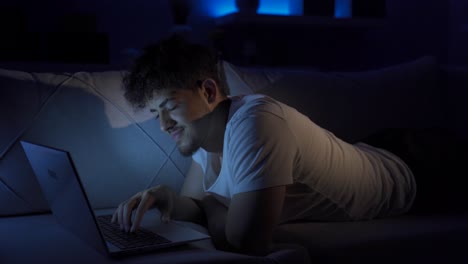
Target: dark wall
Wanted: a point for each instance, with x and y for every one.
(127, 24)
(412, 29)
(458, 32)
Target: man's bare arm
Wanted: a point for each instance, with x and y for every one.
(247, 226)
(187, 207)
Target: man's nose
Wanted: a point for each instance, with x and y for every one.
(165, 121)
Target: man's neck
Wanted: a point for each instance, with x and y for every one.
(217, 122)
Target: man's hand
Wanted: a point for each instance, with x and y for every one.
(161, 197)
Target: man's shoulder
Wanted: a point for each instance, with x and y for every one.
(259, 116)
(256, 105)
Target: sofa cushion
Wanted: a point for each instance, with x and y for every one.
(117, 152)
(21, 98)
(353, 105)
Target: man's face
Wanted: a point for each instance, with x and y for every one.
(177, 110)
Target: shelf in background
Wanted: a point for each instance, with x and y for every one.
(238, 19)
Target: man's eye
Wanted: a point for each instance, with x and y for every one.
(155, 113)
(172, 108)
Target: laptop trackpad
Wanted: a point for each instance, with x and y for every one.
(174, 231)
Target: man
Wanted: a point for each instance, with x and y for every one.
(256, 162)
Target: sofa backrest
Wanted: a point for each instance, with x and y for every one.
(354, 105)
(456, 78)
(119, 152)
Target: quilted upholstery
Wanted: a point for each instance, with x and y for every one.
(117, 152)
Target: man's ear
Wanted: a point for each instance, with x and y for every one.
(210, 90)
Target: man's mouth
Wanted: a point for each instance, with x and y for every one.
(177, 134)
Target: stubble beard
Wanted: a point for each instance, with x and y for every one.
(188, 145)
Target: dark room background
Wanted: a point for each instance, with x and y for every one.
(109, 33)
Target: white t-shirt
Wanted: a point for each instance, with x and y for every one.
(268, 144)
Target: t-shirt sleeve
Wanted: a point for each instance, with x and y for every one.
(261, 151)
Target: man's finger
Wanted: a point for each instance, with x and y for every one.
(114, 215)
(165, 218)
(145, 203)
(120, 216)
(127, 214)
(166, 211)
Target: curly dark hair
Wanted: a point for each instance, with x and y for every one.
(171, 63)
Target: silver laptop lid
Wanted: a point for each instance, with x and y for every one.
(64, 192)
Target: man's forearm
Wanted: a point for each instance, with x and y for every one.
(246, 226)
(208, 212)
(188, 209)
(216, 214)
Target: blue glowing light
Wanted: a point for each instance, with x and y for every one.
(274, 7)
(217, 8)
(343, 8)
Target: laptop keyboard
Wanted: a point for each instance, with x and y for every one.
(124, 240)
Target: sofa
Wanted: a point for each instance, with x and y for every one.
(119, 152)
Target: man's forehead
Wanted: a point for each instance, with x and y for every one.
(172, 93)
(161, 95)
(165, 93)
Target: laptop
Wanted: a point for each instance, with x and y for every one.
(63, 190)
